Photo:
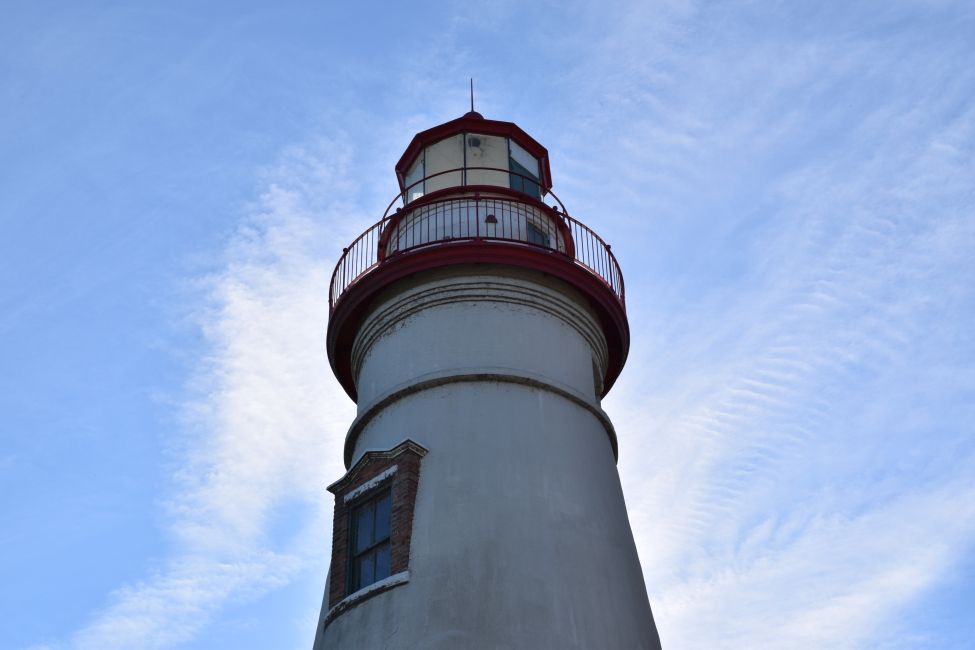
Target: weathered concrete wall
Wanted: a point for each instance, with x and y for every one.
(520, 537)
(464, 319)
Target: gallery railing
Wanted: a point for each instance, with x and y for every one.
(481, 213)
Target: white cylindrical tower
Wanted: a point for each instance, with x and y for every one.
(477, 328)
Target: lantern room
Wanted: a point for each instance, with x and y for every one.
(473, 151)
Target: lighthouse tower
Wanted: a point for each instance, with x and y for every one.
(477, 325)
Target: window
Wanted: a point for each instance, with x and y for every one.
(370, 556)
(538, 236)
(373, 525)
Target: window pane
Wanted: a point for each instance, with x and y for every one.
(538, 236)
(367, 574)
(382, 562)
(364, 528)
(383, 517)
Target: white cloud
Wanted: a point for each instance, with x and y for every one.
(172, 607)
(265, 421)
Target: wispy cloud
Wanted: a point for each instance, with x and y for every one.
(793, 441)
(264, 419)
(172, 606)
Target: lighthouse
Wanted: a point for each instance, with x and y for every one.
(477, 326)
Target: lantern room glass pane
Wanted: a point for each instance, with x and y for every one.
(443, 156)
(525, 159)
(524, 168)
(486, 151)
(414, 180)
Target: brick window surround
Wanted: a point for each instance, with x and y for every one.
(398, 470)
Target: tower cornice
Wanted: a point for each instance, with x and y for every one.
(349, 311)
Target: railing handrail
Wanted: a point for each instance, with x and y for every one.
(587, 247)
(609, 252)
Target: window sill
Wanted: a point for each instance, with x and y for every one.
(366, 593)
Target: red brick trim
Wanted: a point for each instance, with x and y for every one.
(402, 483)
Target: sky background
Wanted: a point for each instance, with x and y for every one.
(789, 188)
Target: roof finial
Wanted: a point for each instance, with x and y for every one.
(472, 113)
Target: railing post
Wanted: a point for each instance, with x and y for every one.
(477, 215)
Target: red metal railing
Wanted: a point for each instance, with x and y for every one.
(479, 214)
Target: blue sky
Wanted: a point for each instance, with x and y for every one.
(788, 186)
